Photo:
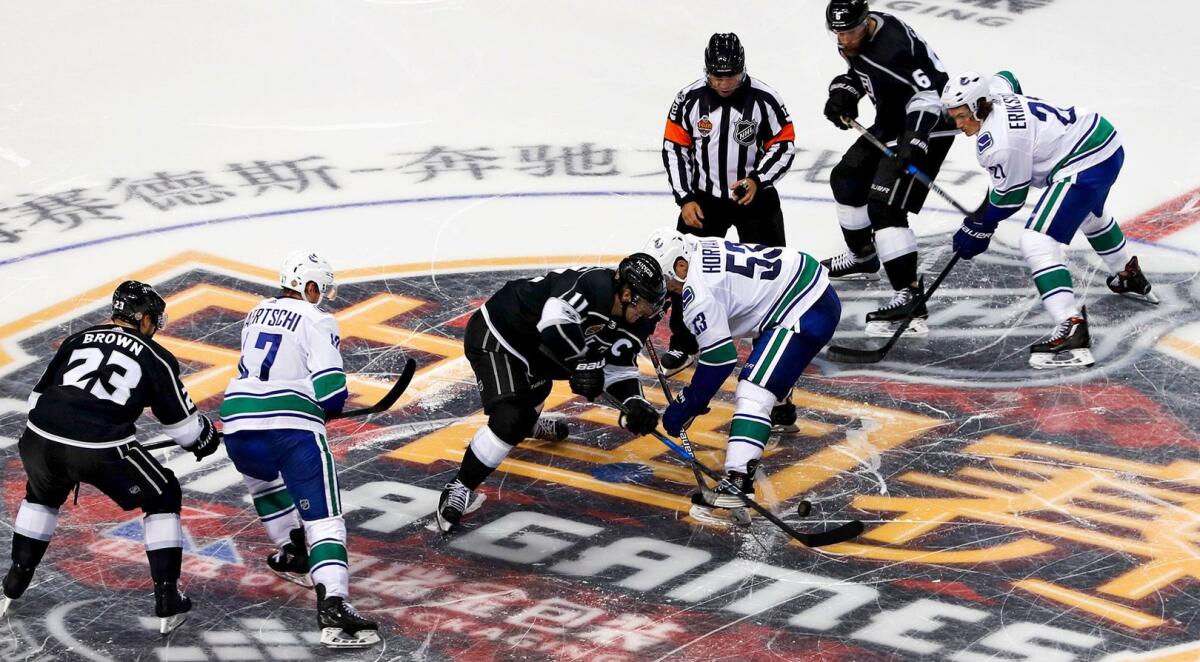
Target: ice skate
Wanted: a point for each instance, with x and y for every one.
(883, 323)
(291, 562)
(1131, 282)
(341, 625)
(783, 417)
(1068, 346)
(456, 501)
(550, 428)
(15, 583)
(675, 361)
(171, 606)
(849, 266)
(727, 508)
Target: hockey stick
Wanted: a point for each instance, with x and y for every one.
(853, 355)
(705, 492)
(909, 168)
(833, 536)
(384, 403)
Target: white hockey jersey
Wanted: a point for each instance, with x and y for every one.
(1026, 142)
(290, 366)
(739, 290)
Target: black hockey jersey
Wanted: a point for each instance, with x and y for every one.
(901, 74)
(518, 315)
(98, 384)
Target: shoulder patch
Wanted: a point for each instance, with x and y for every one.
(984, 142)
(687, 296)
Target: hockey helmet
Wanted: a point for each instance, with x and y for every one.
(845, 15)
(133, 300)
(644, 278)
(724, 55)
(301, 268)
(966, 89)
(666, 246)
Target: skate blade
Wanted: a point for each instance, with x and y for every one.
(671, 373)
(295, 578)
(338, 638)
(916, 328)
(720, 516)
(168, 624)
(446, 526)
(784, 429)
(1071, 358)
(5, 603)
(1148, 297)
(860, 277)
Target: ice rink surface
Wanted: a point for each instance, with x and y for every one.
(434, 149)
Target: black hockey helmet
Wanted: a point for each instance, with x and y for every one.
(843, 15)
(724, 55)
(133, 300)
(644, 278)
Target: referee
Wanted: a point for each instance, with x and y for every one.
(728, 140)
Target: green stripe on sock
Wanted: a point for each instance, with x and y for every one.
(269, 504)
(327, 551)
(1053, 280)
(756, 430)
(1107, 240)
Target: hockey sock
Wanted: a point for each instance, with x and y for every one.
(856, 228)
(32, 529)
(275, 508)
(485, 453)
(328, 562)
(898, 252)
(472, 473)
(1043, 254)
(1107, 240)
(164, 545)
(751, 425)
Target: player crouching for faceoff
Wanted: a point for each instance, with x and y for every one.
(290, 380)
(781, 299)
(81, 430)
(584, 324)
(1075, 155)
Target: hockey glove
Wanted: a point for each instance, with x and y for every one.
(208, 441)
(973, 237)
(912, 149)
(587, 377)
(843, 101)
(639, 417)
(679, 414)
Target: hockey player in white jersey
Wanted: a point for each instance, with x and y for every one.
(290, 380)
(778, 297)
(1073, 154)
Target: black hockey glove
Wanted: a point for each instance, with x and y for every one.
(913, 149)
(587, 377)
(639, 417)
(208, 441)
(843, 101)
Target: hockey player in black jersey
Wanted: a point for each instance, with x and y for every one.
(585, 325)
(889, 63)
(81, 430)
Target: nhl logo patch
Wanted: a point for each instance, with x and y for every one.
(704, 125)
(744, 131)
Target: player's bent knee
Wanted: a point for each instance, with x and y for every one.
(755, 400)
(511, 422)
(1039, 249)
(327, 529)
(169, 501)
(883, 215)
(848, 189)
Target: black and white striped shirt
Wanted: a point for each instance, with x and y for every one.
(711, 142)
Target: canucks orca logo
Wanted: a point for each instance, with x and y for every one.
(984, 142)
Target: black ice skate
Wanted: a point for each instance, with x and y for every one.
(727, 508)
(783, 417)
(291, 562)
(456, 501)
(675, 361)
(550, 428)
(849, 266)
(1131, 282)
(883, 323)
(1068, 346)
(341, 625)
(15, 583)
(171, 606)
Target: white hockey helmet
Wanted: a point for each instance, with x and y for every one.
(300, 268)
(966, 89)
(667, 246)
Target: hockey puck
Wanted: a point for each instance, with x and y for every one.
(698, 500)
(803, 508)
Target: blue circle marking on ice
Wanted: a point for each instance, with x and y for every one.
(622, 472)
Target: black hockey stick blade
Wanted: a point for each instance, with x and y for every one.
(385, 403)
(852, 355)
